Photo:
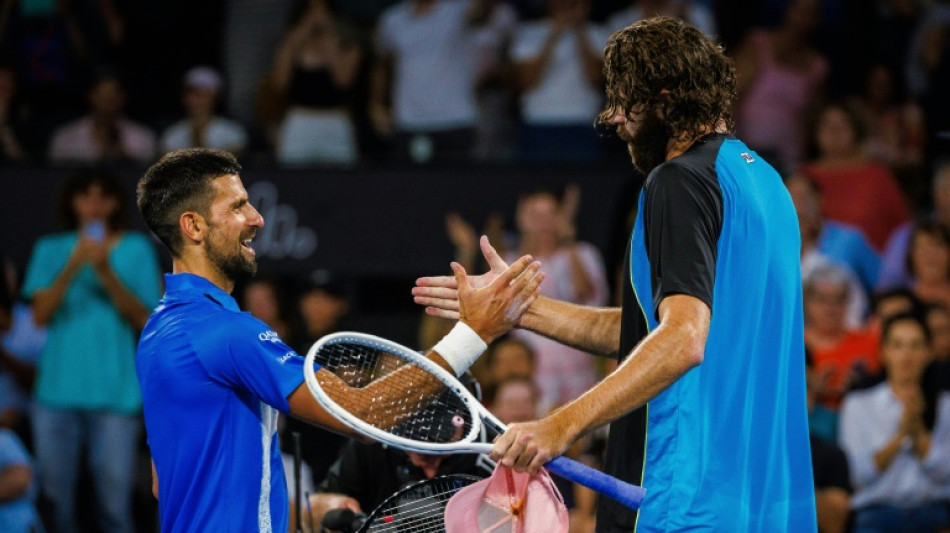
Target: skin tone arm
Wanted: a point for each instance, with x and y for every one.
(528, 73)
(672, 349)
(833, 508)
(47, 301)
(912, 425)
(14, 482)
(594, 330)
(128, 304)
(490, 311)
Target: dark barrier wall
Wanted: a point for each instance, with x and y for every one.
(364, 223)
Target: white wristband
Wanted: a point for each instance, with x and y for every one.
(460, 347)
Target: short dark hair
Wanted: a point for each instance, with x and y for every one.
(663, 53)
(490, 392)
(856, 119)
(180, 181)
(898, 292)
(489, 356)
(81, 183)
(905, 317)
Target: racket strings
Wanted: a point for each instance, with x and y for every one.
(410, 402)
(420, 510)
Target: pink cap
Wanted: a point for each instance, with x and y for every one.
(508, 502)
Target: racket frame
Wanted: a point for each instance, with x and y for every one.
(465, 444)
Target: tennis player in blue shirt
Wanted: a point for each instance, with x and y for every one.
(214, 379)
(708, 402)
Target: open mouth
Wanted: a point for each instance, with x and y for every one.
(246, 244)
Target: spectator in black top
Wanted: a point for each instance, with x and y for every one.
(314, 72)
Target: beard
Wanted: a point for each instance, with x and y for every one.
(230, 261)
(648, 144)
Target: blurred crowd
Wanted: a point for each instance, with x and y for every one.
(846, 99)
(322, 82)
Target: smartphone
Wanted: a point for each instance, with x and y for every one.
(95, 230)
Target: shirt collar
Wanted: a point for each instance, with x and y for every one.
(185, 284)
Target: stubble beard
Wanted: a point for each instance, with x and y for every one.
(648, 144)
(234, 266)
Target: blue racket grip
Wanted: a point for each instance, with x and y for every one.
(626, 493)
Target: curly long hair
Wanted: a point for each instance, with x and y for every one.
(662, 53)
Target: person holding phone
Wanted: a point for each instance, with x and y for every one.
(93, 286)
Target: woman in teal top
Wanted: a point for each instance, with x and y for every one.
(94, 287)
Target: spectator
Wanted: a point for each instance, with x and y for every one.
(17, 513)
(825, 241)
(366, 474)
(856, 190)
(575, 272)
(20, 344)
(937, 375)
(559, 71)
(201, 127)
(829, 464)
(896, 130)
(696, 13)
(104, 134)
(928, 65)
(780, 75)
(928, 261)
(894, 264)
(514, 399)
(898, 462)
(15, 138)
(887, 304)
(93, 285)
(323, 308)
(508, 358)
(422, 91)
(832, 485)
(496, 124)
(265, 299)
(314, 72)
(842, 356)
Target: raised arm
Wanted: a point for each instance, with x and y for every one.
(591, 329)
(486, 313)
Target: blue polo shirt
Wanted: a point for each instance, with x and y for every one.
(213, 380)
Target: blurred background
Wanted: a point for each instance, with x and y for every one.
(379, 138)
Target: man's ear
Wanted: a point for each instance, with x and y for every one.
(193, 226)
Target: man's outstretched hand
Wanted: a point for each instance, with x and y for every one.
(440, 293)
(495, 308)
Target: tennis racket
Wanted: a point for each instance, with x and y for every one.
(399, 397)
(418, 507)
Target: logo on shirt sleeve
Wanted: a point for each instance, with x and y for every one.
(268, 336)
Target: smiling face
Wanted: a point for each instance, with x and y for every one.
(232, 223)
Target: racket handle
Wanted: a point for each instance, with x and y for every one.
(626, 493)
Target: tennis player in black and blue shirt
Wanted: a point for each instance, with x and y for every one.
(214, 379)
(708, 404)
